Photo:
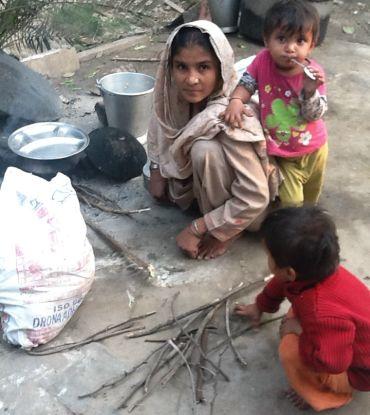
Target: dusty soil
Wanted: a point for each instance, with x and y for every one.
(353, 14)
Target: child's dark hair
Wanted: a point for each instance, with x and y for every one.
(292, 16)
(304, 238)
(191, 36)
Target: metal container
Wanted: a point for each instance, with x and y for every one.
(225, 14)
(253, 14)
(128, 101)
(48, 147)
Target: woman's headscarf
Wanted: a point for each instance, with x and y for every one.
(171, 133)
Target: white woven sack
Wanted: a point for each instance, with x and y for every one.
(46, 262)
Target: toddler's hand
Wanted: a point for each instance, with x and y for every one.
(233, 115)
(250, 311)
(290, 325)
(310, 85)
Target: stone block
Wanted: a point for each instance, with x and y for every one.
(54, 63)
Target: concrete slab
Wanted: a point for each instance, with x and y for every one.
(254, 390)
(54, 63)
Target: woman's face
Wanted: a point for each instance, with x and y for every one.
(196, 73)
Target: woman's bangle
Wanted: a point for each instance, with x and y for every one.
(241, 99)
(195, 229)
(153, 166)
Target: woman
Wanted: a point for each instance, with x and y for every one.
(194, 155)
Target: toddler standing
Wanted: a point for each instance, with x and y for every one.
(292, 96)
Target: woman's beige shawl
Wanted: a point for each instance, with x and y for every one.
(171, 134)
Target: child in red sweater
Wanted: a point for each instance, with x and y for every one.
(325, 337)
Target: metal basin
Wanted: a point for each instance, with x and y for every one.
(48, 147)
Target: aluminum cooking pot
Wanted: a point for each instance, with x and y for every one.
(46, 148)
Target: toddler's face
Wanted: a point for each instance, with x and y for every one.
(284, 47)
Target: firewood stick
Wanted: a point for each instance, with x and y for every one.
(238, 333)
(119, 379)
(199, 395)
(239, 358)
(120, 59)
(170, 322)
(120, 248)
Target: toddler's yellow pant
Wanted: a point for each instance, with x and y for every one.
(303, 177)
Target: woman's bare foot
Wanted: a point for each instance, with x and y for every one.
(211, 247)
(188, 242)
(296, 400)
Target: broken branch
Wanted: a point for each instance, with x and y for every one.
(119, 59)
(121, 248)
(237, 355)
(170, 322)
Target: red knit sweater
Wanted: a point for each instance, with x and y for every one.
(335, 319)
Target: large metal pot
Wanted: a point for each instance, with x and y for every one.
(48, 147)
(128, 101)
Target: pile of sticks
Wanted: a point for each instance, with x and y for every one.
(188, 348)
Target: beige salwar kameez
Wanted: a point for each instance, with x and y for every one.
(226, 170)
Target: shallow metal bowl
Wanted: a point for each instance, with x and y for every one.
(48, 141)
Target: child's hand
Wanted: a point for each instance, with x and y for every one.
(290, 325)
(250, 311)
(233, 115)
(310, 85)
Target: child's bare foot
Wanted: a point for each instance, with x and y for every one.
(296, 400)
(211, 247)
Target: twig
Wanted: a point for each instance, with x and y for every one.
(240, 332)
(75, 345)
(199, 396)
(121, 248)
(179, 363)
(189, 371)
(154, 368)
(123, 327)
(119, 59)
(170, 322)
(131, 320)
(162, 381)
(212, 404)
(99, 202)
(237, 355)
(120, 378)
(94, 194)
(199, 346)
(165, 378)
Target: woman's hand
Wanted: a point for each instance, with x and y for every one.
(188, 242)
(310, 85)
(249, 311)
(290, 325)
(233, 115)
(158, 185)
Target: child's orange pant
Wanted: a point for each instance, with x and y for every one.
(320, 390)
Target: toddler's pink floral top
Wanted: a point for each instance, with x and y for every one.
(292, 124)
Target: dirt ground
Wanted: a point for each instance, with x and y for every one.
(350, 14)
(51, 384)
